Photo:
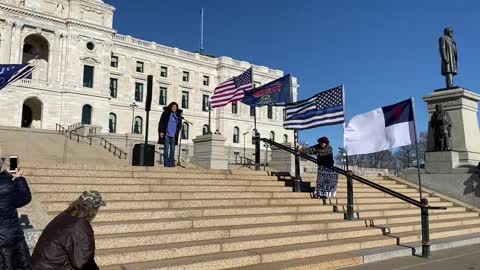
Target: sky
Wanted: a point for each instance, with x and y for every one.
(383, 51)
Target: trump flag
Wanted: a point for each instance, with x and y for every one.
(274, 93)
(381, 129)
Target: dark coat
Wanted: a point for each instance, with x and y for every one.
(67, 243)
(162, 125)
(14, 194)
(448, 52)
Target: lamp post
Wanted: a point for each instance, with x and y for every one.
(266, 156)
(244, 134)
(133, 106)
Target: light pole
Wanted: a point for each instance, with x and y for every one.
(266, 157)
(133, 106)
(244, 134)
(344, 160)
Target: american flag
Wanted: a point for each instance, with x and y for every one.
(323, 109)
(232, 89)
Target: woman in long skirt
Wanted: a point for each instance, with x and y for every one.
(327, 179)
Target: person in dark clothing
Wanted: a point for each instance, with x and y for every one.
(327, 179)
(67, 242)
(168, 132)
(14, 193)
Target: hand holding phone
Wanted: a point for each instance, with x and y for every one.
(13, 164)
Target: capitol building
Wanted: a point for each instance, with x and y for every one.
(89, 74)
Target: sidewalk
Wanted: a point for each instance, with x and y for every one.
(463, 258)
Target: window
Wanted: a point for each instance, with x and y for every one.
(114, 61)
(205, 103)
(87, 115)
(139, 92)
(184, 100)
(113, 87)
(272, 136)
(90, 46)
(139, 67)
(270, 112)
(162, 100)
(186, 76)
(285, 138)
(236, 135)
(206, 80)
(252, 111)
(88, 76)
(185, 131)
(205, 130)
(138, 125)
(163, 72)
(235, 107)
(112, 123)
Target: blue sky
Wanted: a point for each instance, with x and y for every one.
(384, 51)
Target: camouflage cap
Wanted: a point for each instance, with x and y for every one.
(92, 199)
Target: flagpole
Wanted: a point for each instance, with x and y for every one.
(344, 117)
(416, 150)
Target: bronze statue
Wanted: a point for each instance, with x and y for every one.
(448, 52)
(442, 127)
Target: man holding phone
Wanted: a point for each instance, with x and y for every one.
(14, 193)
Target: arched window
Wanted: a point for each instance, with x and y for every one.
(236, 135)
(272, 135)
(185, 129)
(87, 115)
(205, 130)
(112, 123)
(285, 138)
(138, 125)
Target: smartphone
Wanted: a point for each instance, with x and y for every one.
(13, 163)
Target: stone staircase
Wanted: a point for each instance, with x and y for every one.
(159, 218)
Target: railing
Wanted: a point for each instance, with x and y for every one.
(74, 126)
(91, 140)
(423, 204)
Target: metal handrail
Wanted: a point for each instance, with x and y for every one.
(103, 142)
(355, 177)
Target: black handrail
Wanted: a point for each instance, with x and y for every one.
(356, 177)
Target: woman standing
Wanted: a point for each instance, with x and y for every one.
(14, 193)
(326, 178)
(68, 241)
(168, 131)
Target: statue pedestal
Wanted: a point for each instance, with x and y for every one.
(282, 160)
(209, 152)
(462, 106)
(441, 162)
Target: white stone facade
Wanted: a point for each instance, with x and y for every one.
(63, 37)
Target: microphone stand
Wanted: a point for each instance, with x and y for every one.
(179, 163)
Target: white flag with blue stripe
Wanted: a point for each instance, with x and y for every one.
(323, 109)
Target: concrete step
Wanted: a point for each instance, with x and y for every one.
(400, 212)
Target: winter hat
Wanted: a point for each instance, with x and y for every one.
(323, 140)
(92, 199)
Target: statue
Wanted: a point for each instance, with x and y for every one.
(441, 126)
(448, 53)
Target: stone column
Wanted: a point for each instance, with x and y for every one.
(16, 45)
(209, 152)
(282, 160)
(462, 106)
(7, 40)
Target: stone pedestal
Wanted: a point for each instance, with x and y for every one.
(462, 106)
(441, 162)
(209, 152)
(282, 160)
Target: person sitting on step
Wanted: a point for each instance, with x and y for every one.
(68, 242)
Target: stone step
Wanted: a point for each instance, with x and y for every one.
(118, 196)
(124, 180)
(272, 249)
(331, 228)
(139, 226)
(400, 212)
(151, 188)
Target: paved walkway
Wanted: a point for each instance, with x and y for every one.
(464, 258)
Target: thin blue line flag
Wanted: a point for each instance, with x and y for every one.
(12, 73)
(323, 109)
(274, 93)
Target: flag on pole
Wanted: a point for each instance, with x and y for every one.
(274, 93)
(323, 109)
(381, 129)
(232, 89)
(12, 73)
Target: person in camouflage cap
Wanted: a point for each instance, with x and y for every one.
(68, 241)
